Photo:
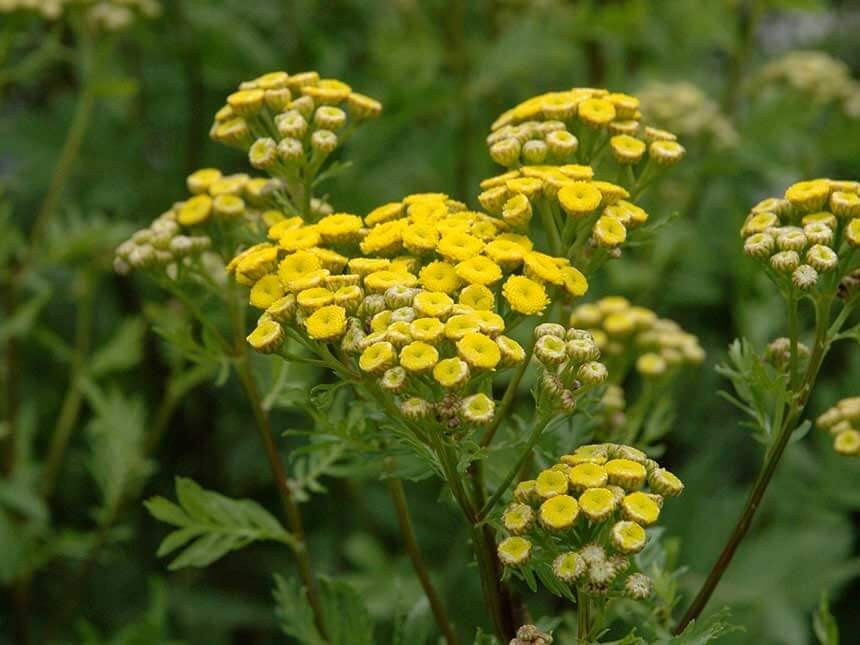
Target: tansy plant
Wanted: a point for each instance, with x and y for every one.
(431, 313)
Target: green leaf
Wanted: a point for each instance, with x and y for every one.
(704, 630)
(294, 613)
(823, 624)
(212, 525)
(122, 351)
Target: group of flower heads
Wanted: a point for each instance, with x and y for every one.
(809, 233)
(842, 422)
(588, 515)
(108, 15)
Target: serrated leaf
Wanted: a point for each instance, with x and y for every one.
(704, 630)
(294, 613)
(212, 525)
(122, 351)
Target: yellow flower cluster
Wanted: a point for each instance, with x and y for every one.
(462, 261)
(557, 127)
(108, 15)
(813, 230)
(686, 110)
(588, 514)
(655, 345)
(842, 422)
(816, 74)
(290, 124)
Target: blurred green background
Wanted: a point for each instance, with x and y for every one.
(443, 71)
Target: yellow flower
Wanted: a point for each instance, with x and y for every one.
(627, 149)
(580, 198)
(517, 211)
(283, 227)
(380, 321)
(809, 195)
(195, 211)
(478, 408)
(439, 276)
(575, 282)
(418, 357)
(384, 213)
(612, 193)
(428, 330)
(558, 513)
(479, 351)
(377, 358)
(458, 325)
(518, 518)
(845, 204)
(381, 281)
(339, 228)
(266, 337)
(420, 238)
(265, 291)
(587, 475)
(479, 270)
(331, 260)
(628, 537)
(609, 232)
(477, 297)
(628, 214)
(297, 266)
(543, 267)
(651, 364)
(640, 508)
(327, 91)
(514, 551)
(490, 323)
(512, 352)
(326, 323)
(246, 102)
(597, 503)
(759, 223)
(434, 304)
(507, 254)
(569, 566)
(666, 153)
(314, 298)
(451, 372)
(625, 473)
(550, 483)
(525, 296)
(459, 246)
(283, 309)
(665, 483)
(366, 266)
(852, 232)
(596, 112)
(348, 296)
(300, 239)
(198, 182)
(626, 106)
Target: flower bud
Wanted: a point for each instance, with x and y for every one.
(291, 124)
(561, 144)
(592, 373)
(290, 150)
(804, 277)
(263, 154)
(785, 261)
(506, 152)
(822, 258)
(324, 142)
(534, 152)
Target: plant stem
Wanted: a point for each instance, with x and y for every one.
(73, 398)
(772, 458)
(506, 482)
(398, 496)
(508, 398)
(582, 617)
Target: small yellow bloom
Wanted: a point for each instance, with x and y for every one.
(377, 358)
(609, 232)
(479, 270)
(845, 204)
(666, 153)
(326, 323)
(420, 238)
(525, 296)
(198, 182)
(489, 322)
(428, 330)
(195, 211)
(847, 442)
(433, 304)
(479, 351)
(575, 283)
(246, 102)
(458, 325)
(640, 508)
(339, 228)
(587, 475)
(314, 298)
(381, 281)
(300, 239)
(558, 513)
(477, 297)
(665, 483)
(439, 276)
(418, 357)
(459, 246)
(284, 227)
(366, 266)
(512, 352)
(296, 266)
(628, 537)
(580, 198)
(451, 372)
(626, 473)
(542, 267)
(384, 213)
(651, 364)
(596, 112)
(852, 232)
(597, 503)
(266, 337)
(568, 567)
(550, 483)
(265, 291)
(518, 518)
(627, 149)
(809, 195)
(507, 254)
(514, 551)
(478, 409)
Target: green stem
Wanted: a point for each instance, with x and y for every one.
(73, 398)
(774, 454)
(541, 425)
(582, 616)
(508, 398)
(398, 497)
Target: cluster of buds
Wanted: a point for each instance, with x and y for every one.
(685, 109)
(531, 635)
(778, 352)
(842, 422)
(160, 246)
(554, 127)
(815, 74)
(811, 232)
(105, 15)
(449, 263)
(587, 515)
(635, 335)
(290, 124)
(569, 365)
